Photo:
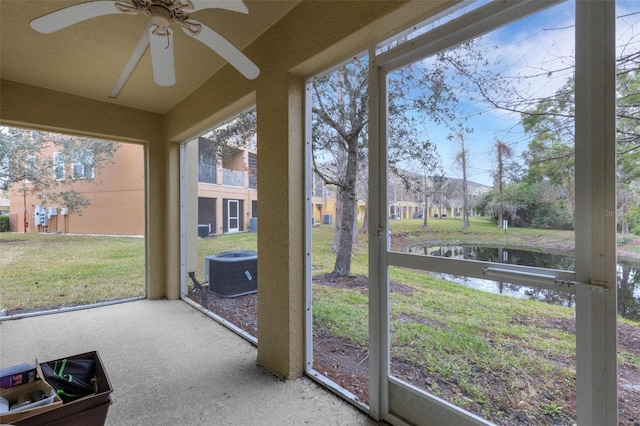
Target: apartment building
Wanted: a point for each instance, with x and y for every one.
(227, 196)
(227, 191)
(115, 195)
(437, 198)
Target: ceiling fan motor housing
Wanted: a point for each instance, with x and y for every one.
(164, 12)
(161, 16)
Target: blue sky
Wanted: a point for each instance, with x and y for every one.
(541, 45)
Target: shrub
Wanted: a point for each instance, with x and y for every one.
(623, 239)
(552, 215)
(633, 219)
(4, 223)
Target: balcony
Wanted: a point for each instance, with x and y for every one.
(233, 178)
(207, 173)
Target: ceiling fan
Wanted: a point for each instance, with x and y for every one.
(158, 35)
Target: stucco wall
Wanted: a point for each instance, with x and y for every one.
(116, 197)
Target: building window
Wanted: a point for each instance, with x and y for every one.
(58, 166)
(83, 166)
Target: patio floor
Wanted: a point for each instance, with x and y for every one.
(169, 364)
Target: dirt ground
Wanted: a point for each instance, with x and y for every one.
(347, 363)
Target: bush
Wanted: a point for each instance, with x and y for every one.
(552, 215)
(633, 219)
(4, 223)
(623, 239)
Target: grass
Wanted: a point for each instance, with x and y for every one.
(480, 230)
(40, 271)
(477, 350)
(497, 356)
(467, 338)
(45, 271)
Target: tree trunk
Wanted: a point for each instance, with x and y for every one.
(465, 194)
(355, 223)
(623, 209)
(500, 187)
(624, 227)
(342, 266)
(347, 198)
(336, 223)
(425, 213)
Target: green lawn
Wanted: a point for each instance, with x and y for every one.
(497, 356)
(481, 230)
(44, 271)
(475, 349)
(41, 271)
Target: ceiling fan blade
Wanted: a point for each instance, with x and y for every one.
(68, 16)
(233, 5)
(137, 54)
(220, 45)
(164, 72)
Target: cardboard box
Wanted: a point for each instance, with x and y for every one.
(89, 410)
(91, 417)
(13, 393)
(17, 375)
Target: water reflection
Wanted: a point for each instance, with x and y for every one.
(628, 275)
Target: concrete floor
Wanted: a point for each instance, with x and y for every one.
(171, 365)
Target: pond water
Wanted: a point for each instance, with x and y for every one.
(628, 275)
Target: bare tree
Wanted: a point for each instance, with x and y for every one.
(340, 118)
(461, 160)
(430, 165)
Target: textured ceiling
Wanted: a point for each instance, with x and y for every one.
(86, 59)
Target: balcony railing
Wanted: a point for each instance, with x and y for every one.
(207, 173)
(253, 181)
(232, 178)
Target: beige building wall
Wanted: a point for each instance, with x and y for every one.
(115, 195)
